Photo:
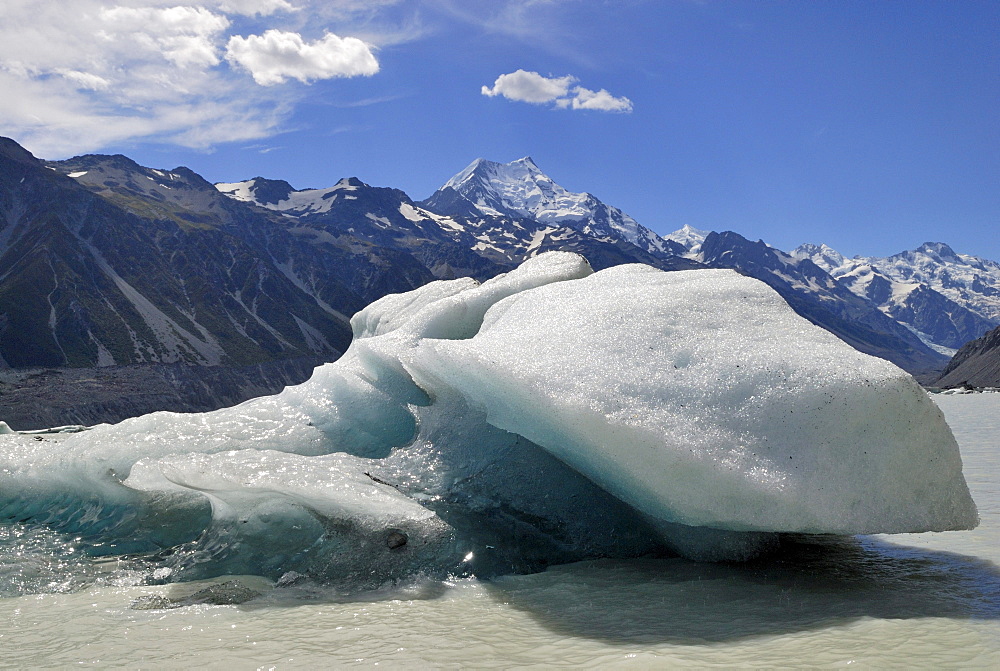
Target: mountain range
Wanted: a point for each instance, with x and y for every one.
(946, 298)
(125, 272)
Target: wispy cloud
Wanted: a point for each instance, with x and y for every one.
(366, 102)
(255, 7)
(539, 24)
(195, 72)
(561, 92)
(339, 130)
(516, 18)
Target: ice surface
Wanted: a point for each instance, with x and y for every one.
(547, 415)
(701, 398)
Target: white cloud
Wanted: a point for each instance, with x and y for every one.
(278, 55)
(185, 36)
(531, 87)
(255, 7)
(585, 99)
(54, 120)
(85, 80)
(76, 79)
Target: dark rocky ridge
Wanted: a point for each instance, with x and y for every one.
(39, 398)
(976, 364)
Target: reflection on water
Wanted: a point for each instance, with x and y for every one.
(36, 560)
(811, 583)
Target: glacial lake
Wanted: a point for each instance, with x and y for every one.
(904, 601)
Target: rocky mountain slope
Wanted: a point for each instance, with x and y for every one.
(106, 263)
(976, 364)
(383, 217)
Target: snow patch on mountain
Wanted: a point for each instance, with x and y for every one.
(419, 215)
(967, 279)
(241, 191)
(410, 212)
(296, 203)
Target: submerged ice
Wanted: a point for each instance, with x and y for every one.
(547, 415)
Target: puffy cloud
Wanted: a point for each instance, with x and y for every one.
(54, 119)
(585, 99)
(278, 55)
(531, 87)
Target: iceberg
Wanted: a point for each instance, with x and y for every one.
(548, 415)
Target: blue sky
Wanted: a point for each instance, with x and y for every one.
(871, 126)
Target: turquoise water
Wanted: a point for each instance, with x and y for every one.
(921, 600)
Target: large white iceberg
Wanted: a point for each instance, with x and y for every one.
(547, 415)
(699, 397)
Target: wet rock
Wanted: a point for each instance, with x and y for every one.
(396, 539)
(227, 593)
(291, 578)
(153, 602)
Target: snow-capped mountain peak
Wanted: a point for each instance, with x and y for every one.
(689, 237)
(967, 279)
(491, 172)
(520, 190)
(938, 250)
(824, 256)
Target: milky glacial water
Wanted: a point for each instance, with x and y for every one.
(905, 601)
